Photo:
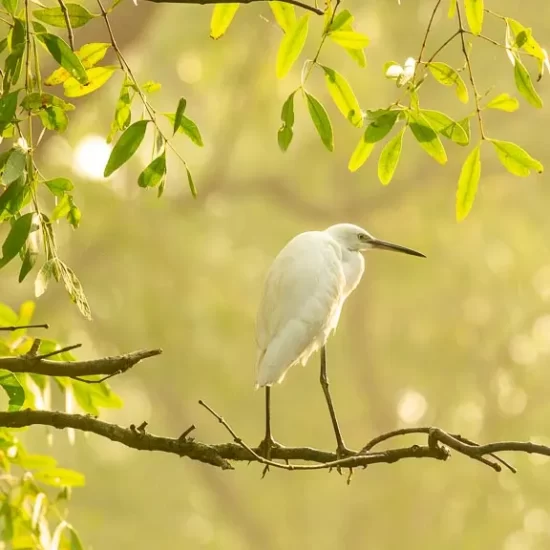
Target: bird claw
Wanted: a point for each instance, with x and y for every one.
(342, 452)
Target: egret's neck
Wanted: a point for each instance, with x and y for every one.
(353, 264)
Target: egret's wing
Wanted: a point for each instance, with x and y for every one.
(303, 290)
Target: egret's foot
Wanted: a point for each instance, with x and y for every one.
(342, 452)
(264, 450)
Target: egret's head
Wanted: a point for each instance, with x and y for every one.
(358, 239)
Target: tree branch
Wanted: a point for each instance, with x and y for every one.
(222, 455)
(297, 3)
(73, 369)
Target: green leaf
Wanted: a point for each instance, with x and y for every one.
(78, 16)
(358, 56)
(342, 20)
(10, 5)
(97, 77)
(389, 158)
(285, 15)
(75, 290)
(524, 39)
(221, 19)
(59, 186)
(285, 133)
(524, 84)
(503, 102)
(321, 120)
(89, 55)
(446, 126)
(151, 86)
(187, 127)
(376, 131)
(13, 197)
(13, 389)
(343, 96)
(29, 257)
(291, 46)
(468, 182)
(349, 39)
(126, 146)
(474, 15)
(447, 76)
(426, 137)
(191, 183)
(63, 54)
(44, 276)
(60, 477)
(15, 166)
(36, 101)
(154, 173)
(178, 118)
(515, 159)
(16, 238)
(74, 539)
(54, 118)
(8, 106)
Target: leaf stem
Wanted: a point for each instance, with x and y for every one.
(70, 32)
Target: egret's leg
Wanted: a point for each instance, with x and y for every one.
(268, 443)
(341, 448)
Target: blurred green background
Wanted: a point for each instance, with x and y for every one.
(460, 340)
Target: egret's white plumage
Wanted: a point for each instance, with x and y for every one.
(304, 292)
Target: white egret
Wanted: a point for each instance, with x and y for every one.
(304, 292)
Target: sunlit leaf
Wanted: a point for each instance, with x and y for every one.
(187, 127)
(151, 86)
(321, 121)
(468, 182)
(515, 159)
(89, 55)
(447, 76)
(349, 39)
(14, 390)
(29, 257)
(55, 118)
(446, 126)
(343, 96)
(43, 277)
(474, 15)
(59, 186)
(74, 289)
(78, 16)
(8, 106)
(376, 131)
(11, 6)
(60, 477)
(343, 20)
(11, 200)
(221, 19)
(291, 46)
(154, 173)
(36, 101)
(97, 77)
(524, 84)
(426, 136)
(285, 15)
(191, 182)
(63, 54)
(178, 117)
(15, 166)
(389, 158)
(503, 102)
(126, 146)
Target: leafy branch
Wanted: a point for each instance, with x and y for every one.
(296, 3)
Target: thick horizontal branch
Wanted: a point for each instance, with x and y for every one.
(222, 455)
(297, 3)
(108, 366)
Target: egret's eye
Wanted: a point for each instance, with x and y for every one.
(362, 237)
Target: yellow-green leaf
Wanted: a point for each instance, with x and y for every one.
(154, 173)
(285, 134)
(515, 159)
(343, 96)
(349, 39)
(221, 19)
(468, 182)
(285, 15)
(447, 76)
(524, 84)
(389, 158)
(78, 16)
(474, 15)
(97, 76)
(426, 137)
(291, 46)
(446, 126)
(376, 130)
(63, 54)
(89, 55)
(503, 102)
(126, 146)
(321, 121)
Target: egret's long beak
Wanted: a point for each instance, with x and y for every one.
(383, 245)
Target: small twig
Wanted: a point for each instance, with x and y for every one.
(425, 40)
(208, 2)
(477, 96)
(65, 12)
(18, 327)
(184, 435)
(444, 45)
(56, 352)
